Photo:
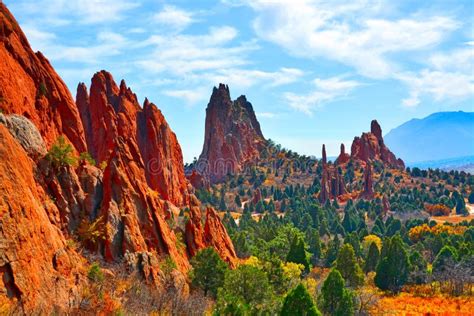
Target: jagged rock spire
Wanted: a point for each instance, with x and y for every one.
(232, 136)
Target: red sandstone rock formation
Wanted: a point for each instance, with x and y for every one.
(212, 234)
(36, 265)
(141, 188)
(332, 183)
(113, 118)
(370, 147)
(232, 135)
(368, 191)
(343, 156)
(197, 180)
(29, 86)
(324, 156)
(144, 174)
(257, 196)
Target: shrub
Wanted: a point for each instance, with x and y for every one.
(103, 165)
(167, 265)
(438, 210)
(43, 91)
(92, 233)
(61, 153)
(85, 156)
(95, 273)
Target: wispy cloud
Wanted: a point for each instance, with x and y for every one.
(448, 76)
(437, 84)
(324, 91)
(363, 35)
(315, 29)
(245, 78)
(190, 96)
(176, 18)
(105, 44)
(203, 60)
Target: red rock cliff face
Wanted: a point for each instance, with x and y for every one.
(232, 135)
(112, 116)
(29, 86)
(36, 266)
(144, 180)
(371, 147)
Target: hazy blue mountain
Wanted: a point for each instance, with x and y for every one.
(442, 135)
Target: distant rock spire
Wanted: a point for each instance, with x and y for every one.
(343, 156)
(368, 191)
(370, 147)
(376, 129)
(325, 159)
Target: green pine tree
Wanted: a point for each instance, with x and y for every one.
(312, 236)
(332, 252)
(372, 260)
(299, 302)
(208, 271)
(394, 266)
(333, 299)
(347, 265)
(346, 305)
(297, 253)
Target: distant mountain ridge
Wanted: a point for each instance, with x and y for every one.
(442, 135)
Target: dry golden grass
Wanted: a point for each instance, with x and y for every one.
(452, 219)
(406, 304)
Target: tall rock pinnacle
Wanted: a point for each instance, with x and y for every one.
(232, 137)
(325, 159)
(343, 156)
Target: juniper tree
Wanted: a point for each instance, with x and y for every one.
(347, 265)
(299, 302)
(393, 268)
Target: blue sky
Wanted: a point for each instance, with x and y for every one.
(315, 71)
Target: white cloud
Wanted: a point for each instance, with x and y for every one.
(38, 39)
(106, 44)
(244, 78)
(195, 61)
(346, 32)
(461, 60)
(437, 84)
(325, 91)
(237, 78)
(450, 76)
(174, 17)
(190, 96)
(184, 54)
